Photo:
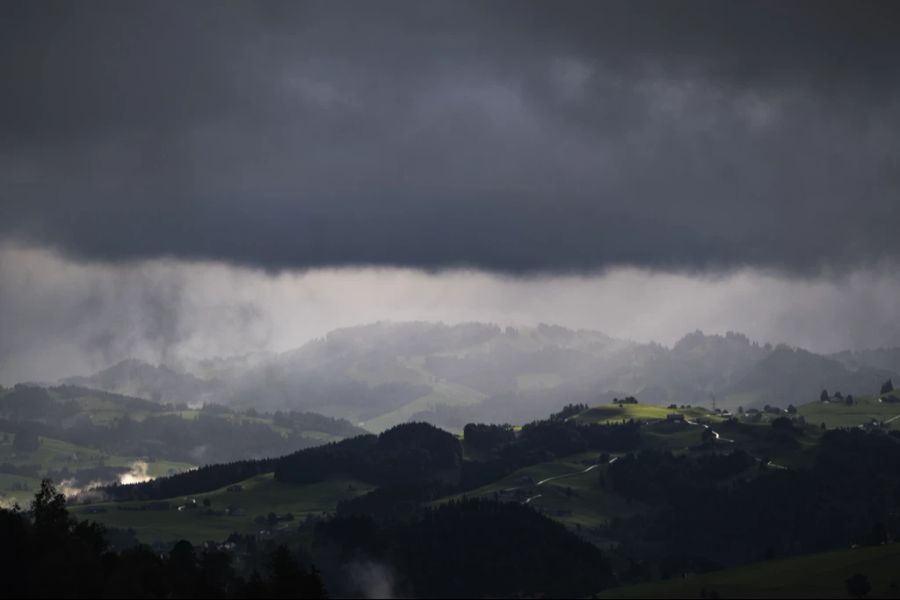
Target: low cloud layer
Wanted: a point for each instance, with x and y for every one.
(204, 178)
(61, 317)
(515, 137)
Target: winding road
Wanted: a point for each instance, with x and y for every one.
(555, 477)
(769, 464)
(714, 432)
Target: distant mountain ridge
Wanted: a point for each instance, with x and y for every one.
(776, 378)
(387, 373)
(887, 359)
(132, 377)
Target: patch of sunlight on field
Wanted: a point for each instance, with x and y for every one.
(863, 410)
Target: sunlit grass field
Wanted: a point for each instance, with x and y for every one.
(863, 410)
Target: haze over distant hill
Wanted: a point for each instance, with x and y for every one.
(386, 373)
(158, 383)
(881, 358)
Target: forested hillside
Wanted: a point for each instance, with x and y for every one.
(630, 492)
(86, 437)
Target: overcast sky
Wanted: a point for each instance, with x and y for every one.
(297, 166)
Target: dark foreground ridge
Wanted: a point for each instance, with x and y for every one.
(587, 500)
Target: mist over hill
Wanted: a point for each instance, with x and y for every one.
(881, 358)
(386, 373)
(161, 383)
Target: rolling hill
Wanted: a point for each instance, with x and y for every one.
(162, 384)
(683, 499)
(562, 484)
(796, 376)
(83, 438)
(384, 374)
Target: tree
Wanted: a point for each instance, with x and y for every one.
(858, 585)
(783, 425)
(51, 519)
(183, 568)
(887, 387)
(289, 579)
(49, 554)
(792, 410)
(823, 397)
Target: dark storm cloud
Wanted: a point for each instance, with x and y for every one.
(506, 136)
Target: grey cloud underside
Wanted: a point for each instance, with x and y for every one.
(514, 137)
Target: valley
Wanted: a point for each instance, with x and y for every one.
(579, 490)
(668, 500)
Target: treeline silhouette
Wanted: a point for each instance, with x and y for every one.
(45, 553)
(467, 549)
(404, 454)
(540, 441)
(503, 451)
(204, 479)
